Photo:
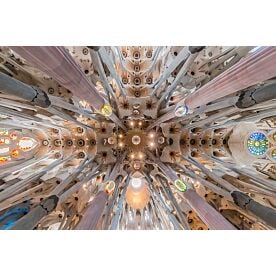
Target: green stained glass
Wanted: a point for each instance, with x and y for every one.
(180, 185)
(257, 143)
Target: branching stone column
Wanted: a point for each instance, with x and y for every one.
(95, 209)
(59, 64)
(254, 68)
(94, 212)
(29, 221)
(11, 86)
(207, 213)
(263, 212)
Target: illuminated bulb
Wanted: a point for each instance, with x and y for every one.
(151, 135)
(151, 144)
(132, 123)
(140, 155)
(111, 140)
(132, 156)
(140, 123)
(120, 135)
(137, 194)
(136, 140)
(136, 182)
(161, 140)
(121, 144)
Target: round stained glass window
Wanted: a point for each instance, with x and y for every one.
(257, 143)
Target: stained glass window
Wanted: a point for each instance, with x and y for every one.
(15, 153)
(273, 154)
(109, 188)
(26, 143)
(180, 185)
(4, 159)
(13, 136)
(4, 150)
(3, 131)
(4, 141)
(257, 143)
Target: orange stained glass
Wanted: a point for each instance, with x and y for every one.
(4, 159)
(13, 136)
(15, 153)
(4, 141)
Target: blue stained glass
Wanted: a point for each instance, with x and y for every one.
(257, 143)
